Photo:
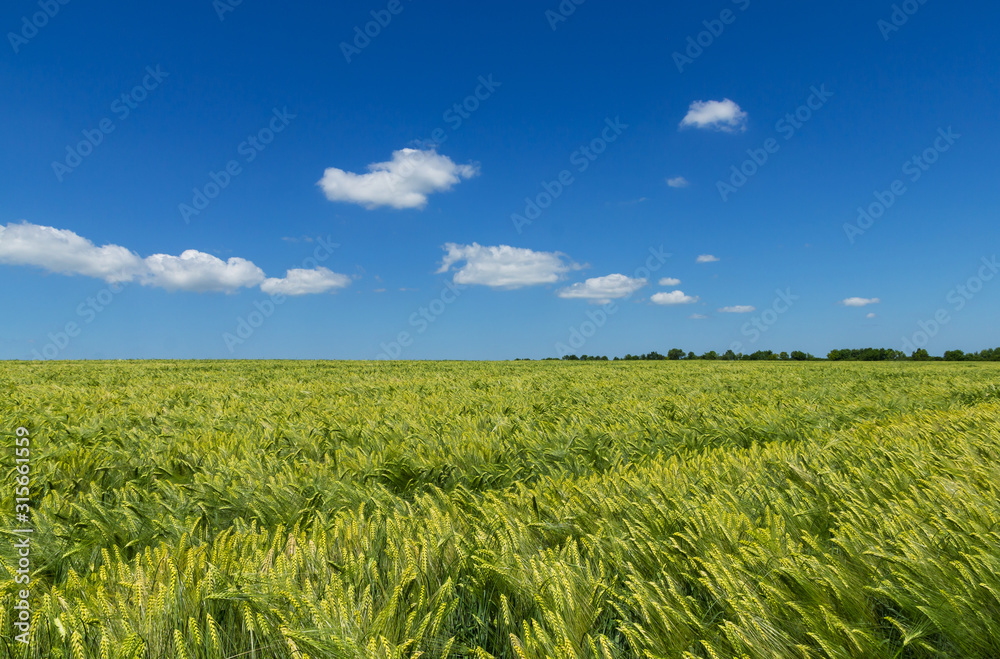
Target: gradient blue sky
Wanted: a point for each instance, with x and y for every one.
(892, 90)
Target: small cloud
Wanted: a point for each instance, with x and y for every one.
(305, 282)
(379, 290)
(200, 272)
(601, 290)
(706, 258)
(697, 316)
(724, 115)
(871, 315)
(63, 251)
(403, 182)
(301, 239)
(678, 182)
(672, 298)
(670, 281)
(503, 266)
(859, 301)
(740, 308)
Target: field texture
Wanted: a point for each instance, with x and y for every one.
(529, 509)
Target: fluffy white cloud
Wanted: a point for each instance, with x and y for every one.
(697, 316)
(601, 290)
(678, 182)
(706, 258)
(740, 308)
(859, 301)
(403, 182)
(871, 315)
(503, 266)
(673, 297)
(200, 272)
(305, 282)
(670, 281)
(64, 252)
(724, 115)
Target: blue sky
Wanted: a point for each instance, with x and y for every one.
(371, 195)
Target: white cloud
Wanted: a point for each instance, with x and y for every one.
(706, 258)
(403, 182)
(200, 272)
(697, 316)
(602, 290)
(300, 281)
(871, 315)
(670, 281)
(740, 308)
(859, 301)
(64, 252)
(504, 266)
(678, 182)
(674, 297)
(724, 115)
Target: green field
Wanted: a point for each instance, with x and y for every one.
(528, 509)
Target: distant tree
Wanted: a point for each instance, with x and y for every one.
(675, 353)
(799, 356)
(730, 355)
(711, 354)
(783, 356)
(990, 355)
(920, 355)
(865, 355)
(691, 355)
(955, 356)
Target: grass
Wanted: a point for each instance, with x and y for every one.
(316, 509)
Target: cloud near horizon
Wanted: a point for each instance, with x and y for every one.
(672, 298)
(601, 290)
(300, 281)
(724, 115)
(859, 301)
(403, 182)
(503, 266)
(64, 252)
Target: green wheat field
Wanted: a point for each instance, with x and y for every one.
(511, 509)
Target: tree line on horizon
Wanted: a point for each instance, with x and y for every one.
(840, 355)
